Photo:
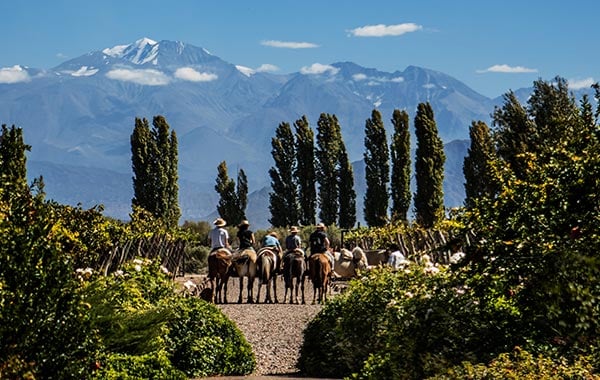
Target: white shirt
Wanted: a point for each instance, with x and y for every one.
(218, 238)
(396, 260)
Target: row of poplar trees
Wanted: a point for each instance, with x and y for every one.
(301, 166)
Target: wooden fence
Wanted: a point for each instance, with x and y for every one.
(169, 253)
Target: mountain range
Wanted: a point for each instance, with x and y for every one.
(78, 117)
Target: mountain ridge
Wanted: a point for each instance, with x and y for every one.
(81, 113)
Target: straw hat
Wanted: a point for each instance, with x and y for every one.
(244, 223)
(294, 229)
(219, 222)
(320, 226)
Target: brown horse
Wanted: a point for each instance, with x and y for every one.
(219, 263)
(266, 263)
(244, 263)
(319, 271)
(294, 267)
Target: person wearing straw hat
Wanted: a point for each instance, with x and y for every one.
(293, 241)
(245, 236)
(218, 236)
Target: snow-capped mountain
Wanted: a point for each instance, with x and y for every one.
(79, 115)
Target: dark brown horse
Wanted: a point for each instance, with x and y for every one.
(219, 263)
(266, 263)
(319, 271)
(294, 267)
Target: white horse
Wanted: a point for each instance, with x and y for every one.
(244, 263)
(347, 263)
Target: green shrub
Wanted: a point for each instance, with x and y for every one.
(196, 259)
(407, 324)
(155, 365)
(44, 324)
(202, 341)
(522, 365)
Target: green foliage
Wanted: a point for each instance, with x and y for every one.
(44, 325)
(429, 169)
(377, 171)
(477, 167)
(203, 342)
(154, 160)
(13, 162)
(155, 365)
(232, 201)
(347, 196)
(196, 258)
(400, 157)
(283, 203)
(305, 172)
(522, 365)
(408, 324)
(327, 153)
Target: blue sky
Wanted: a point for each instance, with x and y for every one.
(492, 46)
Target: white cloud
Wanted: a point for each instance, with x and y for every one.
(289, 44)
(578, 84)
(507, 69)
(382, 30)
(359, 77)
(61, 56)
(147, 77)
(267, 68)
(14, 74)
(188, 73)
(318, 68)
(398, 79)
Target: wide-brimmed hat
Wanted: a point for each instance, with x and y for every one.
(321, 226)
(244, 223)
(294, 229)
(219, 222)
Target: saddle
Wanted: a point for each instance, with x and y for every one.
(296, 252)
(242, 256)
(221, 253)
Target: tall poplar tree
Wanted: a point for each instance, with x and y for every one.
(13, 162)
(377, 171)
(477, 166)
(429, 168)
(327, 152)
(154, 160)
(242, 194)
(347, 199)
(305, 172)
(400, 156)
(283, 202)
(228, 206)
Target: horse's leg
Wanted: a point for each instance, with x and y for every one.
(274, 279)
(225, 281)
(212, 286)
(302, 287)
(250, 289)
(241, 288)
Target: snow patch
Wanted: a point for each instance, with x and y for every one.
(245, 70)
(84, 71)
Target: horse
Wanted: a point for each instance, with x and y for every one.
(319, 270)
(266, 264)
(219, 263)
(244, 263)
(294, 267)
(346, 264)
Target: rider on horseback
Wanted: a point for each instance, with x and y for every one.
(218, 236)
(293, 241)
(272, 240)
(319, 243)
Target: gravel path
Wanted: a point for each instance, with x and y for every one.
(273, 330)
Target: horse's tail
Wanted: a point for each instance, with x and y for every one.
(264, 267)
(316, 270)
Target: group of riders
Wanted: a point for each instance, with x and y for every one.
(318, 240)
